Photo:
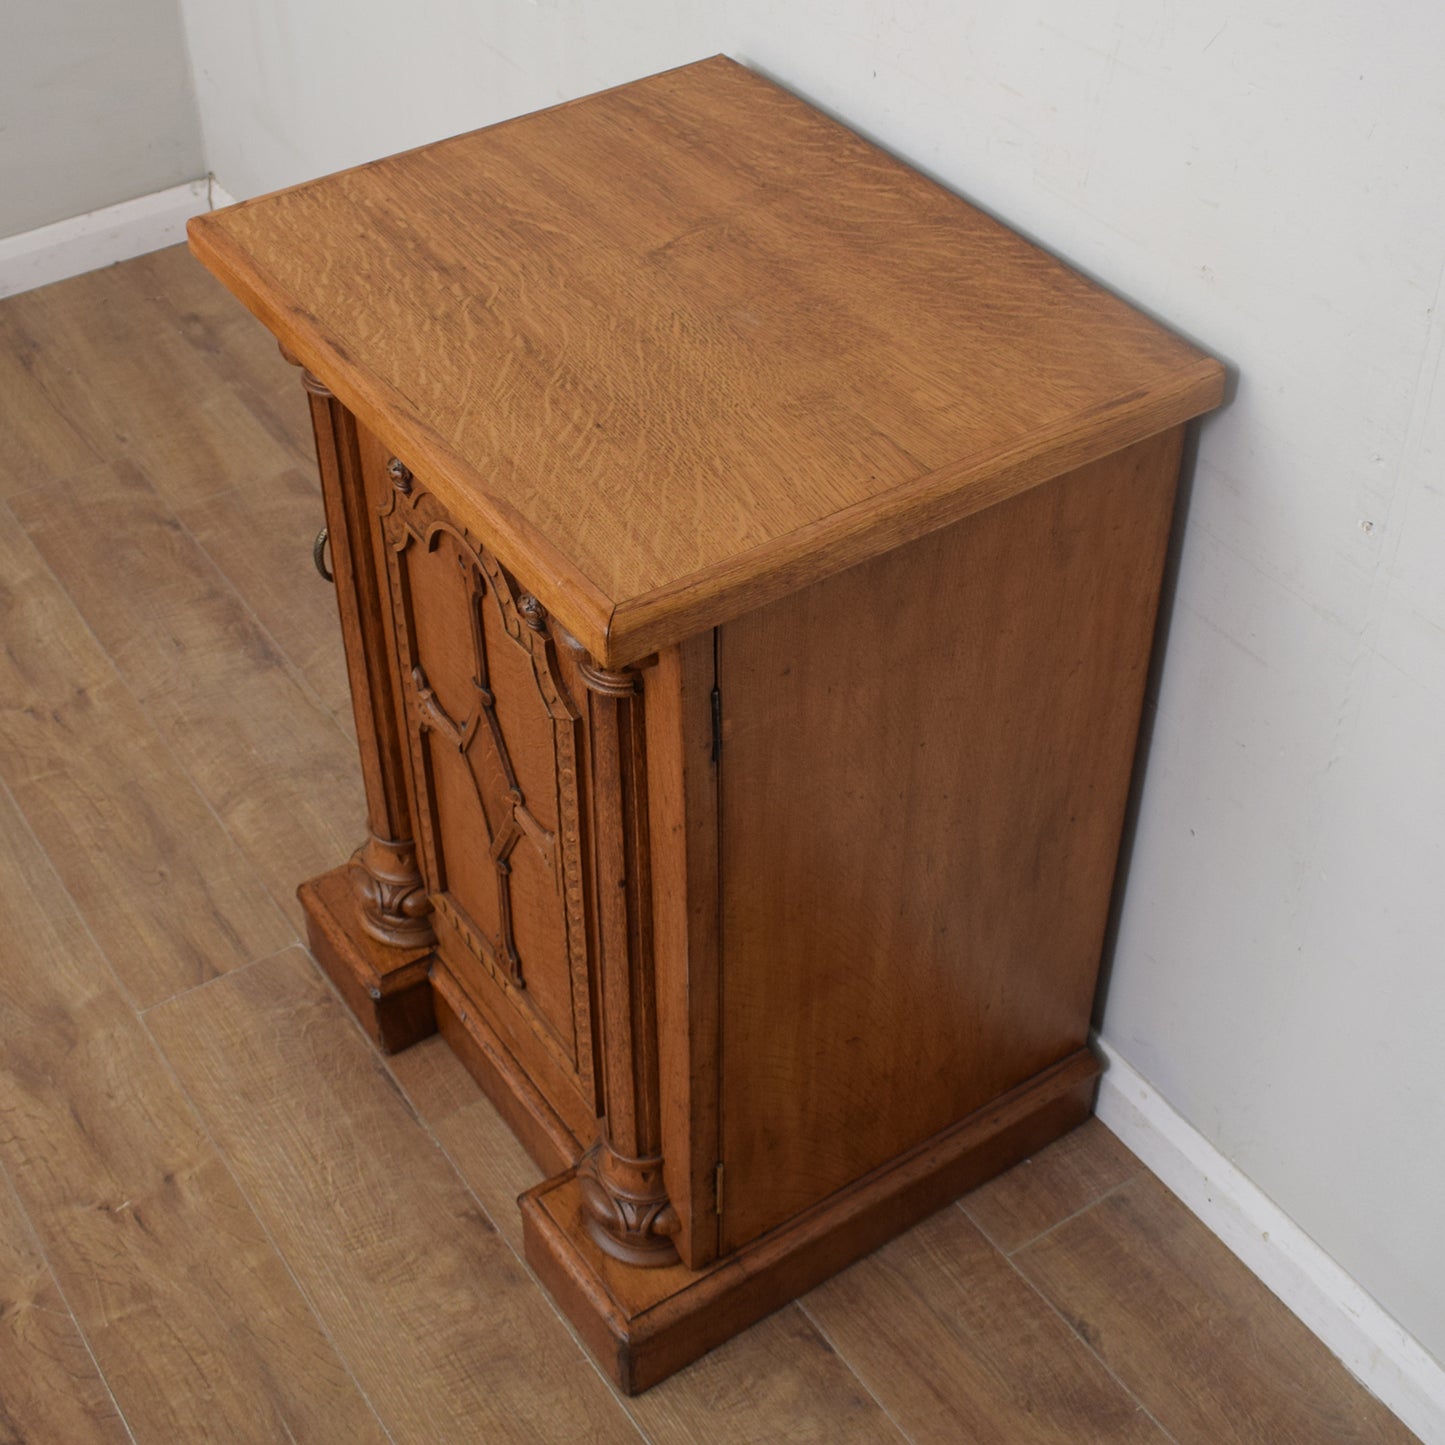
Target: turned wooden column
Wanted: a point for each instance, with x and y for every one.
(369, 920)
(625, 1203)
(390, 892)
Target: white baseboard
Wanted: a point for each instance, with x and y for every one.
(220, 196)
(100, 238)
(1388, 1361)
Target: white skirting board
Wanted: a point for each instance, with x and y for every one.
(100, 238)
(1389, 1362)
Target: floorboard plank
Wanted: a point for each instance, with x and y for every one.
(160, 883)
(1212, 1354)
(233, 343)
(50, 1388)
(197, 1326)
(957, 1346)
(264, 550)
(39, 442)
(112, 368)
(260, 746)
(778, 1380)
(231, 452)
(425, 1300)
(1070, 1175)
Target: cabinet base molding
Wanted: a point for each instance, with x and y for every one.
(538, 1127)
(386, 988)
(642, 1325)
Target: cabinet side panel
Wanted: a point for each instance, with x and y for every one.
(924, 769)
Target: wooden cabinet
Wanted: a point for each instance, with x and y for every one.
(748, 557)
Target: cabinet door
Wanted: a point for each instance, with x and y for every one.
(498, 749)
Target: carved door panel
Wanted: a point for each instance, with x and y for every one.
(498, 747)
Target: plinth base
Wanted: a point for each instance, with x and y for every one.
(386, 988)
(536, 1124)
(644, 1324)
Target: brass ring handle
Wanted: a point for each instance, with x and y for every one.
(318, 555)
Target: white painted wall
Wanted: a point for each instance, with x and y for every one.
(1267, 176)
(96, 107)
(292, 91)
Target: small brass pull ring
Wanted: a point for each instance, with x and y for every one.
(318, 555)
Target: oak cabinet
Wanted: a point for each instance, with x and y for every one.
(747, 556)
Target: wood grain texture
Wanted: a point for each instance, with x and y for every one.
(423, 1298)
(160, 883)
(39, 442)
(234, 701)
(222, 415)
(923, 770)
(541, 1131)
(957, 1346)
(735, 319)
(264, 551)
(437, 1085)
(1057, 1183)
(50, 1388)
(386, 988)
(1185, 1326)
(195, 1322)
(778, 1380)
(130, 375)
(225, 342)
(682, 802)
(386, 873)
(626, 1205)
(500, 729)
(643, 1324)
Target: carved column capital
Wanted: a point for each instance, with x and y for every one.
(620, 682)
(623, 683)
(309, 380)
(626, 1209)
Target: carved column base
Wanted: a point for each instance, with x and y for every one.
(395, 909)
(626, 1209)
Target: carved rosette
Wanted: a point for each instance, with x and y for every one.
(626, 1209)
(395, 908)
(400, 475)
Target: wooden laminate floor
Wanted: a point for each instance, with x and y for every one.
(222, 1215)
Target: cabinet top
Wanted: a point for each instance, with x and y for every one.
(682, 347)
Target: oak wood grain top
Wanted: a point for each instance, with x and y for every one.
(687, 345)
